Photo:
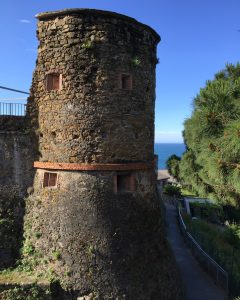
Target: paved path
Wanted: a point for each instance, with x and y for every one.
(198, 285)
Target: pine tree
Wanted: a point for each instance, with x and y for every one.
(211, 164)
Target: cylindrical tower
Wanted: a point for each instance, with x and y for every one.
(94, 213)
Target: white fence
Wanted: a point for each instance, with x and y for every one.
(12, 109)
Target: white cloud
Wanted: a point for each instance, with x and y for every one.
(25, 21)
(168, 137)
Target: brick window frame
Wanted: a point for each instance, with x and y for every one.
(53, 81)
(50, 180)
(124, 182)
(125, 81)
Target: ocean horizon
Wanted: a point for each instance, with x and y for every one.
(164, 150)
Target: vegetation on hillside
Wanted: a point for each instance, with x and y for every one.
(210, 166)
(28, 292)
(222, 244)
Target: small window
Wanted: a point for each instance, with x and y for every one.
(49, 179)
(124, 183)
(126, 81)
(54, 82)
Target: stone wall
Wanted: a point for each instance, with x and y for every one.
(110, 245)
(17, 156)
(91, 118)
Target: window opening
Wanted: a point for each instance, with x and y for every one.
(54, 82)
(124, 183)
(126, 81)
(49, 179)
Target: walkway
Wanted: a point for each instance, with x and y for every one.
(198, 285)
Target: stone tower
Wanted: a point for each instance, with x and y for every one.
(94, 214)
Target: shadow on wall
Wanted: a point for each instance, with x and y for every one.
(18, 149)
(11, 228)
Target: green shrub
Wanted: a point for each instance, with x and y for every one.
(209, 211)
(136, 61)
(38, 235)
(87, 45)
(56, 255)
(232, 235)
(173, 166)
(26, 293)
(11, 225)
(231, 213)
(172, 190)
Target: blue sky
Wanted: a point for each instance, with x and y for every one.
(198, 38)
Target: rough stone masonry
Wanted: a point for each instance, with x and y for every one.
(94, 217)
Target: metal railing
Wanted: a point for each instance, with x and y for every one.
(12, 109)
(172, 200)
(217, 272)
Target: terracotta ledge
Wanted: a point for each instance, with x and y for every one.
(92, 167)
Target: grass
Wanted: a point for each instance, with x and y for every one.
(16, 285)
(185, 192)
(15, 277)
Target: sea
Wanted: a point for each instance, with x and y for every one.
(165, 150)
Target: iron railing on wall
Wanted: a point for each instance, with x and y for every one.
(12, 109)
(217, 272)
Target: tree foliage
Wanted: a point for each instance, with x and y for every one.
(172, 190)
(173, 165)
(211, 164)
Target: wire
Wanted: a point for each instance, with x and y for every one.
(13, 90)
